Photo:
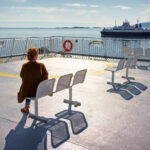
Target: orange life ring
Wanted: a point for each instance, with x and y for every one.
(71, 45)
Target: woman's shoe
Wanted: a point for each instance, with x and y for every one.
(25, 109)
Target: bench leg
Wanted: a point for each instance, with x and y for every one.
(127, 75)
(36, 107)
(70, 98)
(38, 118)
(115, 85)
(112, 79)
(113, 75)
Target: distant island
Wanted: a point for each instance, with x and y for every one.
(144, 25)
(75, 27)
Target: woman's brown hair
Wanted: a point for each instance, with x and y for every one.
(32, 53)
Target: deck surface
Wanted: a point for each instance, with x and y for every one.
(117, 120)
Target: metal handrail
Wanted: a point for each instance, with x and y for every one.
(82, 46)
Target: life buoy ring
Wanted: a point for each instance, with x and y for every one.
(70, 43)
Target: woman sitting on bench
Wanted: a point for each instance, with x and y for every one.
(32, 73)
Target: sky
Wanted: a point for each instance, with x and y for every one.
(70, 13)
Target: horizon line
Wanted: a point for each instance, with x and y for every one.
(51, 27)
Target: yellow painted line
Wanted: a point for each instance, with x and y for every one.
(108, 64)
(16, 75)
(8, 75)
(54, 76)
(96, 73)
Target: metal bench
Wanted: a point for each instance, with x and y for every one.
(129, 64)
(64, 82)
(79, 77)
(47, 87)
(138, 52)
(147, 52)
(76, 118)
(127, 51)
(44, 88)
(120, 66)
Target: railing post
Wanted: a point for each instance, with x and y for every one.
(44, 47)
(26, 45)
(82, 47)
(50, 44)
(13, 47)
(62, 43)
(105, 53)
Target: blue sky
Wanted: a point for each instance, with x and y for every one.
(60, 13)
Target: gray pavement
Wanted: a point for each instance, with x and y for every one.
(116, 120)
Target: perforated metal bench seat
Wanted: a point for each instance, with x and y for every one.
(114, 69)
(120, 66)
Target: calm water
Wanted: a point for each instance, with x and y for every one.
(112, 47)
(41, 32)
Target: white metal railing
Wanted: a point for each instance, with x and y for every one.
(83, 46)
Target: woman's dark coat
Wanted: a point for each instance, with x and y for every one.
(32, 73)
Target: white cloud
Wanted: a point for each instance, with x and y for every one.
(94, 6)
(76, 5)
(85, 12)
(39, 9)
(145, 14)
(93, 11)
(20, 1)
(122, 7)
(44, 19)
(27, 18)
(147, 10)
(81, 12)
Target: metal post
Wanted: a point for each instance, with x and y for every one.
(36, 107)
(113, 80)
(127, 72)
(112, 77)
(50, 45)
(12, 47)
(44, 47)
(24, 55)
(62, 43)
(70, 98)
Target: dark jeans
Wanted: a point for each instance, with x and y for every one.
(27, 102)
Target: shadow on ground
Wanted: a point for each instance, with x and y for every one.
(22, 138)
(143, 67)
(128, 89)
(35, 136)
(77, 120)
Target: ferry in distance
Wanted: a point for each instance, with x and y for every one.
(126, 31)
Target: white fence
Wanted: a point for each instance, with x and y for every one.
(81, 46)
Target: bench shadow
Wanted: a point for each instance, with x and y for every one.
(131, 88)
(35, 136)
(138, 85)
(76, 118)
(132, 67)
(128, 89)
(143, 67)
(123, 93)
(59, 131)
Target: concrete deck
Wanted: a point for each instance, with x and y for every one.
(116, 120)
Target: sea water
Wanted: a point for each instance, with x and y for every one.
(47, 32)
(112, 47)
